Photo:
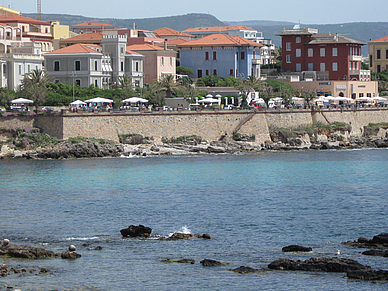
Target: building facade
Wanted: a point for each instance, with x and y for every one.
(378, 54)
(321, 56)
(221, 55)
(90, 64)
(91, 27)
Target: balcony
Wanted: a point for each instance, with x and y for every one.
(356, 58)
(256, 62)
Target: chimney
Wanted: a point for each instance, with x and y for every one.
(165, 44)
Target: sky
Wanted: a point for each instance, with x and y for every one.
(303, 11)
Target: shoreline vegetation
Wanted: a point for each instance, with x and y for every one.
(32, 144)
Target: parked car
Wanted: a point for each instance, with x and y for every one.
(228, 107)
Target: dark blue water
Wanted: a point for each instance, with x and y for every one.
(252, 206)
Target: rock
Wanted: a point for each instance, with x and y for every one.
(210, 263)
(204, 236)
(136, 231)
(71, 248)
(182, 261)
(332, 264)
(296, 248)
(377, 242)
(380, 238)
(98, 248)
(70, 255)
(368, 274)
(375, 253)
(245, 270)
(179, 236)
(44, 270)
(24, 251)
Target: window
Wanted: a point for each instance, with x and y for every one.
(243, 55)
(369, 95)
(95, 65)
(170, 62)
(20, 69)
(310, 52)
(254, 54)
(322, 51)
(361, 95)
(298, 67)
(335, 67)
(78, 82)
(334, 52)
(28, 68)
(121, 50)
(231, 72)
(4, 70)
(137, 66)
(378, 55)
(322, 67)
(77, 65)
(96, 83)
(288, 59)
(215, 72)
(236, 56)
(162, 61)
(56, 81)
(214, 55)
(298, 39)
(386, 54)
(206, 56)
(298, 52)
(311, 66)
(288, 46)
(378, 69)
(137, 83)
(370, 61)
(207, 72)
(122, 66)
(199, 73)
(357, 67)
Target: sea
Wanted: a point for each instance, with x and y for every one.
(252, 205)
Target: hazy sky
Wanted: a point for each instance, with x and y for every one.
(305, 11)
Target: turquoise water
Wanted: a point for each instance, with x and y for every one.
(252, 205)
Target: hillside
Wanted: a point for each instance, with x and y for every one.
(179, 22)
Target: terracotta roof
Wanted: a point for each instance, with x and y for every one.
(176, 41)
(220, 39)
(78, 48)
(217, 28)
(4, 18)
(165, 31)
(330, 38)
(144, 47)
(85, 37)
(92, 24)
(131, 52)
(381, 39)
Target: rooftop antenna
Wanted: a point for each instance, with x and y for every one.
(39, 10)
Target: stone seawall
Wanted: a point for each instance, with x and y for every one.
(209, 125)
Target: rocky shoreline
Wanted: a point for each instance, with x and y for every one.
(281, 140)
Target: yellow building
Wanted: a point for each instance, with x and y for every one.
(8, 11)
(378, 54)
(59, 32)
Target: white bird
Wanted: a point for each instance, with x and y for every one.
(72, 248)
(338, 252)
(5, 241)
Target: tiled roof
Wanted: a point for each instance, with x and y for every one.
(220, 39)
(4, 18)
(176, 41)
(165, 31)
(330, 38)
(131, 52)
(381, 39)
(85, 37)
(144, 47)
(217, 28)
(92, 24)
(77, 48)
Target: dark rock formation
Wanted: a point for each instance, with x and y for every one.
(333, 264)
(204, 236)
(368, 274)
(182, 261)
(245, 270)
(70, 255)
(211, 263)
(178, 236)
(296, 248)
(375, 253)
(377, 242)
(136, 231)
(25, 251)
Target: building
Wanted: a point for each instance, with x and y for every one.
(341, 88)
(378, 54)
(222, 55)
(91, 64)
(8, 11)
(91, 27)
(158, 61)
(170, 34)
(321, 56)
(60, 32)
(11, 36)
(36, 30)
(85, 38)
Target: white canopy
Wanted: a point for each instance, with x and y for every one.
(77, 102)
(135, 100)
(99, 100)
(209, 96)
(339, 98)
(21, 101)
(277, 99)
(364, 99)
(209, 100)
(297, 99)
(378, 98)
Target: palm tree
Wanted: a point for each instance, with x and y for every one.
(33, 86)
(168, 84)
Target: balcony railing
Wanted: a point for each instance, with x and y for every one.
(256, 61)
(356, 58)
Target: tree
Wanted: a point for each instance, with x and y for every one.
(5, 97)
(33, 86)
(184, 71)
(167, 84)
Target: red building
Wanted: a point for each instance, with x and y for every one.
(321, 56)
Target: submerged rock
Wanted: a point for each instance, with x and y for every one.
(182, 261)
(70, 255)
(368, 274)
(245, 270)
(136, 231)
(296, 248)
(25, 251)
(210, 263)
